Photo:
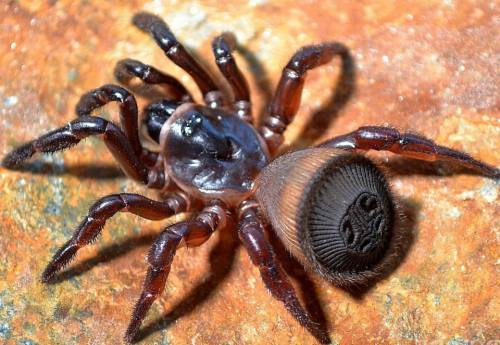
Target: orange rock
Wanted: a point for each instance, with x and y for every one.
(428, 66)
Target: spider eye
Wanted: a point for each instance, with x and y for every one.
(189, 126)
(333, 211)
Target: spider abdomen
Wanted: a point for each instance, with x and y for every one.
(333, 210)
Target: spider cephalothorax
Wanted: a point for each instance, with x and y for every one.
(330, 206)
(211, 153)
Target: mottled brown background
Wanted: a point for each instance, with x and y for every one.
(428, 66)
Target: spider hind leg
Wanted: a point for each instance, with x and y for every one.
(251, 234)
(408, 145)
(193, 233)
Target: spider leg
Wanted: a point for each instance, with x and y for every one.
(251, 234)
(71, 134)
(406, 144)
(176, 52)
(193, 233)
(223, 46)
(104, 209)
(127, 69)
(96, 98)
(287, 97)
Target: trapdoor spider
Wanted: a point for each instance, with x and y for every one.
(329, 205)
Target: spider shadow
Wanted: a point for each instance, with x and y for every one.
(305, 285)
(105, 255)
(404, 166)
(261, 78)
(101, 171)
(221, 260)
(345, 87)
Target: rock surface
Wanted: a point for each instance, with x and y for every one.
(428, 66)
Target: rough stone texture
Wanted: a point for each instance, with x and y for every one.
(428, 66)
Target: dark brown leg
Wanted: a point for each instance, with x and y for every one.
(79, 129)
(223, 46)
(176, 52)
(127, 69)
(287, 97)
(193, 233)
(406, 144)
(128, 110)
(251, 233)
(104, 209)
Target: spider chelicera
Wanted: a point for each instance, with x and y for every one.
(330, 206)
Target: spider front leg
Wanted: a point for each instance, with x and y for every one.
(176, 52)
(191, 232)
(126, 69)
(223, 46)
(406, 144)
(251, 234)
(104, 209)
(105, 94)
(71, 134)
(286, 100)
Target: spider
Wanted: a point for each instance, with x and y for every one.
(330, 206)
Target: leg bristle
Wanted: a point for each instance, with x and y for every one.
(87, 103)
(59, 261)
(140, 310)
(58, 140)
(14, 158)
